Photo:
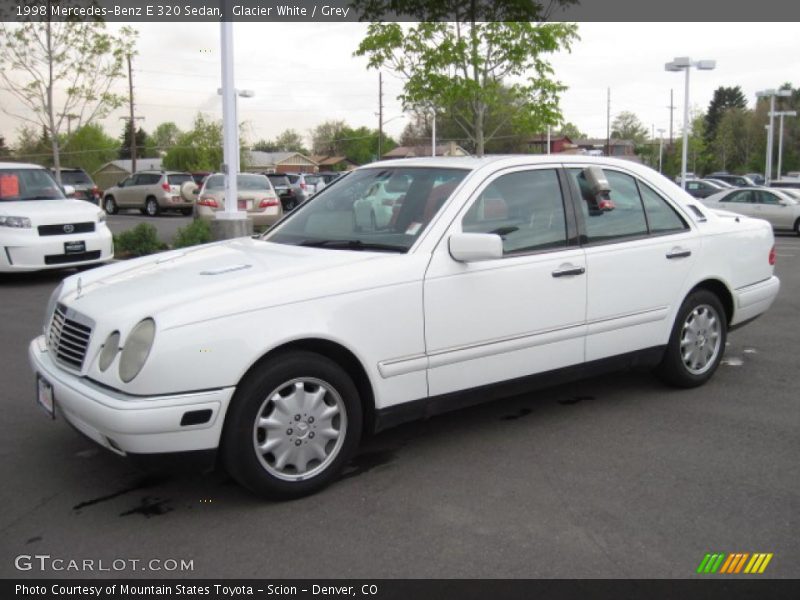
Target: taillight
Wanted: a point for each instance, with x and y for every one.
(210, 202)
(268, 202)
(165, 186)
(772, 256)
(302, 186)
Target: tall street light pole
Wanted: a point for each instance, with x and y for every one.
(781, 114)
(684, 63)
(771, 94)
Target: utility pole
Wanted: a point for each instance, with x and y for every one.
(671, 108)
(608, 123)
(132, 118)
(70, 118)
(380, 115)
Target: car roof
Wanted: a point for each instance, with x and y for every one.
(16, 165)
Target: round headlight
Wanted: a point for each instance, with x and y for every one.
(137, 347)
(109, 351)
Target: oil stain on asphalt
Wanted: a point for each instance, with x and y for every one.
(143, 484)
(149, 507)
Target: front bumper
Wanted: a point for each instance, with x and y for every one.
(131, 424)
(25, 250)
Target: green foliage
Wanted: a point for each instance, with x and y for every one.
(33, 145)
(78, 59)
(466, 68)
(165, 136)
(627, 126)
(199, 149)
(336, 138)
(725, 99)
(196, 233)
(89, 148)
(571, 131)
(139, 241)
(288, 141)
(144, 146)
(4, 150)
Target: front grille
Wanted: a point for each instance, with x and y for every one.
(60, 259)
(66, 228)
(68, 339)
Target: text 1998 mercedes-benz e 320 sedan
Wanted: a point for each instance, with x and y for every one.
(281, 351)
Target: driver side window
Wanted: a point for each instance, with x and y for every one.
(526, 209)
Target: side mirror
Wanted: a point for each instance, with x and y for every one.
(473, 247)
(69, 191)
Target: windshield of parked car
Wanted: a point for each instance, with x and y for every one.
(384, 209)
(28, 184)
(75, 178)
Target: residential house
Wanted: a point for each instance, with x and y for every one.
(449, 149)
(278, 162)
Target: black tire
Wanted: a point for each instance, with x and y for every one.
(676, 368)
(797, 227)
(110, 205)
(186, 212)
(252, 401)
(151, 207)
(289, 204)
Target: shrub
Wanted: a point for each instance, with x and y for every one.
(139, 241)
(198, 232)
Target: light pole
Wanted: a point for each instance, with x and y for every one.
(781, 114)
(660, 148)
(771, 95)
(684, 63)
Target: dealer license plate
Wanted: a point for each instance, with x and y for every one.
(74, 247)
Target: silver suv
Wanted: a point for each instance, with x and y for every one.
(151, 192)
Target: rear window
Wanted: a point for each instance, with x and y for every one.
(179, 179)
(75, 178)
(278, 179)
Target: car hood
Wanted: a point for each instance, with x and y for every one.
(48, 212)
(214, 280)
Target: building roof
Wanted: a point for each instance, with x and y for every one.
(256, 159)
(602, 142)
(325, 161)
(142, 164)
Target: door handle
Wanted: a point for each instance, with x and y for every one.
(569, 272)
(679, 253)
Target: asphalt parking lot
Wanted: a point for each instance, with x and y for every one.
(616, 476)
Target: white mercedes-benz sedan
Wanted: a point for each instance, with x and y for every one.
(42, 229)
(504, 273)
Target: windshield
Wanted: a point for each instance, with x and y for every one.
(28, 184)
(372, 209)
(251, 183)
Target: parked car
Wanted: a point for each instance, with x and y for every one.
(735, 180)
(722, 184)
(689, 175)
(286, 192)
(199, 177)
(40, 228)
(785, 183)
(151, 192)
(254, 193)
(328, 176)
(702, 188)
(781, 210)
(756, 178)
(299, 182)
(85, 188)
(498, 273)
(374, 210)
(317, 181)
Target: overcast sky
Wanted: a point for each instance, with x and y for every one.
(303, 74)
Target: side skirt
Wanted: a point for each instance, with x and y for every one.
(434, 405)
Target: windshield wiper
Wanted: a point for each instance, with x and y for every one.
(352, 245)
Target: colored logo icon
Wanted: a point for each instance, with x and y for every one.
(734, 563)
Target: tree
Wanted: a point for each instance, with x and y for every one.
(288, 141)
(571, 131)
(165, 136)
(327, 137)
(62, 72)
(724, 99)
(199, 149)
(89, 148)
(33, 145)
(5, 151)
(466, 66)
(143, 143)
(627, 126)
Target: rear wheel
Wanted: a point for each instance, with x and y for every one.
(289, 204)
(151, 207)
(110, 205)
(697, 342)
(292, 426)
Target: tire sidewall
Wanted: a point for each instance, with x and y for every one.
(110, 200)
(672, 367)
(237, 451)
(147, 204)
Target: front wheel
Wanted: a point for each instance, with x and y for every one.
(110, 205)
(292, 426)
(697, 342)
